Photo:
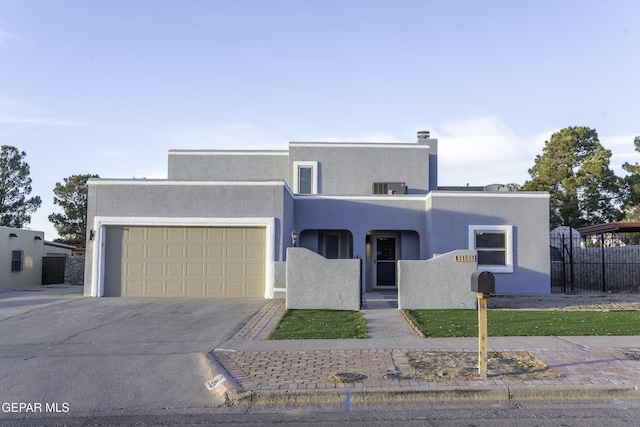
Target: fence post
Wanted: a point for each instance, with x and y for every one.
(604, 280)
(564, 267)
(571, 256)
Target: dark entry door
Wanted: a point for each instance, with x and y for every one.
(386, 250)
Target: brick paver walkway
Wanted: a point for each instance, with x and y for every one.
(579, 366)
(296, 370)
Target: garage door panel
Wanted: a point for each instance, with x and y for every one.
(175, 270)
(195, 270)
(215, 234)
(156, 251)
(235, 289)
(175, 251)
(155, 288)
(135, 251)
(134, 288)
(254, 289)
(215, 252)
(254, 252)
(135, 233)
(134, 269)
(234, 271)
(195, 289)
(235, 234)
(214, 288)
(254, 271)
(174, 234)
(215, 271)
(234, 252)
(195, 251)
(175, 289)
(155, 270)
(196, 234)
(185, 261)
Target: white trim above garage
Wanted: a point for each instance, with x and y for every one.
(102, 222)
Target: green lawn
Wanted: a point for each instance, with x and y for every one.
(319, 324)
(464, 323)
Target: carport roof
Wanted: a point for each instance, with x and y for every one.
(612, 227)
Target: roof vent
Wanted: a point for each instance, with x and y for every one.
(495, 188)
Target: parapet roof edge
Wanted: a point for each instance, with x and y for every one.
(231, 152)
(360, 144)
(536, 194)
(157, 182)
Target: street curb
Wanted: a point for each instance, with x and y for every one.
(349, 396)
(227, 392)
(520, 393)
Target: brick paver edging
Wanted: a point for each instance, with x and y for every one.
(387, 369)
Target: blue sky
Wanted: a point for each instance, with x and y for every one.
(108, 87)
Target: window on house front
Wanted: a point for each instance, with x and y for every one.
(331, 245)
(494, 244)
(306, 178)
(17, 260)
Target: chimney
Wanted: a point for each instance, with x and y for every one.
(423, 136)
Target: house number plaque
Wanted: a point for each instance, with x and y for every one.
(465, 258)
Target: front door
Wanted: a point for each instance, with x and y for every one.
(385, 252)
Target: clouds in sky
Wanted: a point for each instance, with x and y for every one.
(37, 121)
(485, 150)
(6, 37)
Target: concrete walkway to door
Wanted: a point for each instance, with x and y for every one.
(380, 309)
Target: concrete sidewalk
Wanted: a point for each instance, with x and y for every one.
(298, 371)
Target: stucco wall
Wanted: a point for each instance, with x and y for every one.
(351, 169)
(32, 245)
(213, 165)
(360, 216)
(314, 282)
(450, 214)
(132, 199)
(438, 283)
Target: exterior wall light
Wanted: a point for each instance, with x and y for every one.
(294, 238)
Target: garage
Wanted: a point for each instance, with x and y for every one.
(213, 262)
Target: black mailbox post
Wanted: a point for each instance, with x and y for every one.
(482, 283)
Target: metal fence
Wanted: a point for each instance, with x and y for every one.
(53, 269)
(606, 262)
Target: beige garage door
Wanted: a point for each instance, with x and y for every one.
(185, 261)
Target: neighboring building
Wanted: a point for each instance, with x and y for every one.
(220, 225)
(57, 249)
(20, 257)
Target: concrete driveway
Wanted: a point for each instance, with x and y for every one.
(61, 351)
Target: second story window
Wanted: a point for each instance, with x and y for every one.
(306, 177)
(305, 180)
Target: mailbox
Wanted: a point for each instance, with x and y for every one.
(483, 282)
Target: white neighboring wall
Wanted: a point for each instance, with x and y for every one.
(29, 246)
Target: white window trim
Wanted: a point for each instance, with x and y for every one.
(508, 242)
(314, 176)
